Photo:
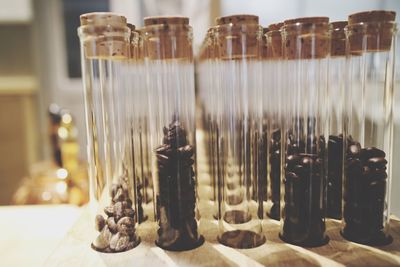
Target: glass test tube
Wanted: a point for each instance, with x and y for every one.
(238, 123)
(336, 98)
(104, 48)
(167, 43)
(306, 46)
(273, 93)
(371, 50)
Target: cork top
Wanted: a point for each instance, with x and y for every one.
(306, 20)
(104, 35)
(102, 18)
(371, 31)
(372, 16)
(237, 19)
(338, 38)
(167, 20)
(167, 38)
(306, 38)
(274, 41)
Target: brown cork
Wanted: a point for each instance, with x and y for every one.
(237, 19)
(237, 37)
(104, 35)
(306, 38)
(274, 41)
(371, 31)
(165, 41)
(338, 38)
(166, 20)
(102, 18)
(372, 16)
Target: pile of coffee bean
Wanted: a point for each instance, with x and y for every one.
(304, 222)
(335, 171)
(275, 174)
(176, 200)
(117, 231)
(364, 197)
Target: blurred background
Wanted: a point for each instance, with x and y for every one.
(42, 132)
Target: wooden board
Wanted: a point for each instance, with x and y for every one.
(75, 249)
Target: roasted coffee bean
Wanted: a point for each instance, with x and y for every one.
(118, 211)
(354, 149)
(376, 163)
(103, 240)
(129, 212)
(99, 222)
(112, 225)
(119, 242)
(109, 210)
(371, 152)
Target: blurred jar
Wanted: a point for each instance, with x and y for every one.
(239, 127)
(306, 47)
(167, 43)
(104, 41)
(371, 40)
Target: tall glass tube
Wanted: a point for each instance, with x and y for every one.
(273, 93)
(371, 49)
(306, 46)
(137, 123)
(167, 43)
(238, 69)
(104, 49)
(336, 98)
(208, 94)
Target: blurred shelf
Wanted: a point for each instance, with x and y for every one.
(18, 85)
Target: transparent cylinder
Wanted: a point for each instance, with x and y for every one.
(336, 97)
(238, 123)
(272, 95)
(138, 132)
(208, 94)
(368, 166)
(167, 43)
(306, 46)
(104, 49)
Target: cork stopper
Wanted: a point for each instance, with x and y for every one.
(338, 38)
(166, 20)
(104, 35)
(167, 38)
(237, 19)
(372, 16)
(274, 40)
(103, 18)
(238, 37)
(371, 31)
(306, 38)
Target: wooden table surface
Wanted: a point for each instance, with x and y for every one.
(29, 234)
(75, 249)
